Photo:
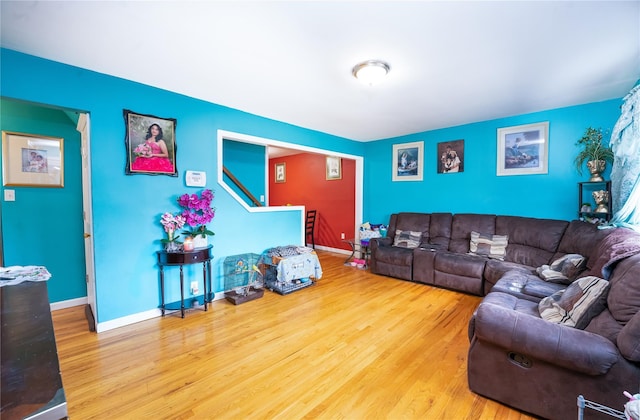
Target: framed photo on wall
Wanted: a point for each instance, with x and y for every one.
(281, 172)
(30, 160)
(334, 168)
(408, 161)
(523, 149)
(450, 157)
(151, 144)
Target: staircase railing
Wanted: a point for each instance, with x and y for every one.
(242, 188)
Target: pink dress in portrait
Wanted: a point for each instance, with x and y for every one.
(154, 163)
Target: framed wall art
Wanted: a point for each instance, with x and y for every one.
(334, 168)
(30, 160)
(281, 172)
(523, 149)
(151, 144)
(450, 157)
(408, 161)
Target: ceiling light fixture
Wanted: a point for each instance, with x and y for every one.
(371, 71)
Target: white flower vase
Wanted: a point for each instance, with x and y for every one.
(200, 241)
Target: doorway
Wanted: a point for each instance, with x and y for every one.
(44, 224)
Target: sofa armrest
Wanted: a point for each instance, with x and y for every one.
(536, 338)
(378, 242)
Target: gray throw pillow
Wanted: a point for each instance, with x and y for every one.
(564, 270)
(576, 305)
(492, 246)
(407, 238)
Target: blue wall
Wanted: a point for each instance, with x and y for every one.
(44, 225)
(126, 209)
(478, 189)
(247, 163)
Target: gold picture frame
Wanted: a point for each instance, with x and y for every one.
(280, 172)
(32, 160)
(334, 168)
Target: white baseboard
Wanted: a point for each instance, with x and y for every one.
(68, 303)
(139, 317)
(335, 250)
(127, 320)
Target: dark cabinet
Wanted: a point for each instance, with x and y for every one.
(31, 383)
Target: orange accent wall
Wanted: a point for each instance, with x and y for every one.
(306, 184)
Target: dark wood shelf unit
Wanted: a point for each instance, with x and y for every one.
(584, 195)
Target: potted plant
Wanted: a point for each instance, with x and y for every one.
(197, 212)
(594, 152)
(171, 222)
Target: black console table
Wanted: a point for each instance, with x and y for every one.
(181, 259)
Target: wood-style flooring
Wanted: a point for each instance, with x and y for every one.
(353, 346)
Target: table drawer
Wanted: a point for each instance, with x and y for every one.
(180, 258)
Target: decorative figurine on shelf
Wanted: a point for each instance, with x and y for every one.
(586, 208)
(602, 200)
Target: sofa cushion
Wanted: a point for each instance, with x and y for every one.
(494, 270)
(605, 325)
(407, 238)
(532, 241)
(576, 305)
(464, 224)
(580, 238)
(492, 246)
(394, 255)
(628, 339)
(462, 265)
(417, 222)
(440, 230)
(564, 270)
(624, 297)
(525, 285)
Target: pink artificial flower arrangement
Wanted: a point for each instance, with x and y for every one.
(171, 223)
(197, 212)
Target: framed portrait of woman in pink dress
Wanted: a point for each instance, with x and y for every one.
(151, 144)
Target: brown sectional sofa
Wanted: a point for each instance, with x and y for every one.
(443, 259)
(521, 360)
(515, 356)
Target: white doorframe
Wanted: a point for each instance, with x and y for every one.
(84, 128)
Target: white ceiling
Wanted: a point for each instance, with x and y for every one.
(452, 62)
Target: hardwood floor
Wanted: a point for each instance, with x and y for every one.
(353, 346)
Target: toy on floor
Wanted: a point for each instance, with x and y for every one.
(632, 408)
